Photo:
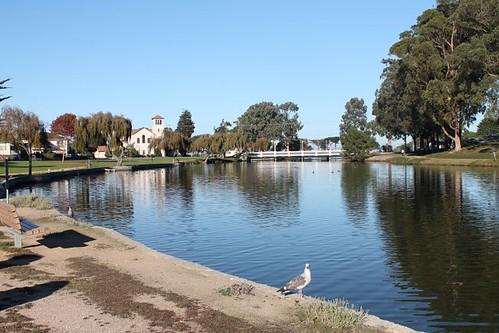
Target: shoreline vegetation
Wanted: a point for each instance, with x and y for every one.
(83, 278)
(469, 156)
(44, 171)
(20, 168)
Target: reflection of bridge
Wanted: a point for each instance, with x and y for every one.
(299, 154)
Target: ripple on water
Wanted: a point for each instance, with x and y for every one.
(418, 246)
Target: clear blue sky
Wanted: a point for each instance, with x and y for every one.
(214, 58)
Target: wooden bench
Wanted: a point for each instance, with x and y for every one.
(17, 227)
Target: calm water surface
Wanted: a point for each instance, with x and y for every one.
(417, 246)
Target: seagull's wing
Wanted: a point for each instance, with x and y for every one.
(296, 282)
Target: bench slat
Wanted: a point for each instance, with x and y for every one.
(26, 226)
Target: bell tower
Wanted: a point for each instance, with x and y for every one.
(158, 125)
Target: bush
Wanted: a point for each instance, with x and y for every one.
(326, 316)
(238, 289)
(48, 155)
(31, 201)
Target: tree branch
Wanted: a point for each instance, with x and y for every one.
(446, 133)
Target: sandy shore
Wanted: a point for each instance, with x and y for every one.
(79, 278)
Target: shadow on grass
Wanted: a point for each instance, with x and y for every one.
(19, 296)
(65, 239)
(19, 260)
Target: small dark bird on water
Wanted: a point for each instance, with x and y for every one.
(70, 212)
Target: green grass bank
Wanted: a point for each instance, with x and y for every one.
(17, 168)
(475, 156)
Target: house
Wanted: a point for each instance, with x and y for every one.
(7, 151)
(58, 144)
(102, 152)
(142, 137)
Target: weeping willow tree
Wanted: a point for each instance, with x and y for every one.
(201, 143)
(103, 128)
(171, 143)
(121, 131)
(82, 136)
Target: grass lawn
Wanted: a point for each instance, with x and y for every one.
(481, 152)
(21, 167)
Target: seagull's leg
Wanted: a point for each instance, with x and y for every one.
(301, 293)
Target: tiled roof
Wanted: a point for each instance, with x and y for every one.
(136, 130)
(157, 117)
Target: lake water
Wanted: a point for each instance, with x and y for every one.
(415, 245)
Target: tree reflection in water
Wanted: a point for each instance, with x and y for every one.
(442, 237)
(412, 244)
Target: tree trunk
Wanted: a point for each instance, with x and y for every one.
(119, 159)
(457, 142)
(456, 138)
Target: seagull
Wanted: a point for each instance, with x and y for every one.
(70, 212)
(299, 282)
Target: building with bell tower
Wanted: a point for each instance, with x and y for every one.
(142, 137)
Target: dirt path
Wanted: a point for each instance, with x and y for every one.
(78, 278)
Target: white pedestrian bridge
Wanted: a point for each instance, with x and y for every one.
(298, 154)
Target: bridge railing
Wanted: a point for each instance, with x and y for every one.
(296, 153)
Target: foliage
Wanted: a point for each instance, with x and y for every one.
(355, 136)
(118, 136)
(48, 155)
(271, 122)
(327, 316)
(22, 129)
(2, 86)
(201, 143)
(488, 126)
(64, 125)
(238, 289)
(443, 72)
(185, 125)
(85, 137)
(261, 144)
(103, 128)
(172, 143)
(224, 127)
(31, 201)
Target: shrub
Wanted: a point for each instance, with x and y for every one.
(48, 155)
(238, 289)
(31, 201)
(326, 316)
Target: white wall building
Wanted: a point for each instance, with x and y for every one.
(7, 150)
(142, 137)
(58, 144)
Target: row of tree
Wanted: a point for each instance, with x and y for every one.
(258, 128)
(23, 130)
(443, 72)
